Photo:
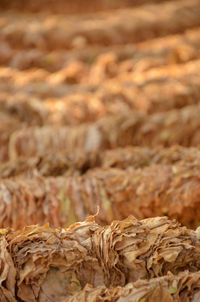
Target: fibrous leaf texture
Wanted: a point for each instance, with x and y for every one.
(44, 264)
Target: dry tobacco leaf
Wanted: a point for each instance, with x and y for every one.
(154, 290)
(44, 264)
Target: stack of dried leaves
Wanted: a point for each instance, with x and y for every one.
(155, 190)
(171, 190)
(139, 157)
(137, 129)
(41, 264)
(77, 163)
(7, 127)
(52, 164)
(80, 108)
(171, 288)
(154, 90)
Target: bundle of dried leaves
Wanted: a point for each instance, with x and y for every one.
(42, 264)
(77, 163)
(154, 90)
(139, 157)
(7, 127)
(51, 164)
(170, 288)
(157, 190)
(167, 129)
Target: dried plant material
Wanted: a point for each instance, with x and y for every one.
(171, 190)
(72, 110)
(72, 91)
(106, 61)
(14, 116)
(37, 140)
(78, 163)
(157, 190)
(171, 288)
(78, 108)
(32, 84)
(23, 110)
(51, 164)
(124, 26)
(7, 127)
(100, 63)
(140, 157)
(44, 261)
(166, 129)
(51, 264)
(154, 90)
(77, 6)
(36, 201)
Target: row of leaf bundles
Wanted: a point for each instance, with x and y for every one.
(99, 63)
(78, 163)
(130, 128)
(155, 190)
(137, 129)
(43, 264)
(127, 26)
(155, 90)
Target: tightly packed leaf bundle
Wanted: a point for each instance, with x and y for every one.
(140, 157)
(7, 127)
(51, 164)
(171, 288)
(166, 129)
(157, 190)
(41, 264)
(78, 163)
